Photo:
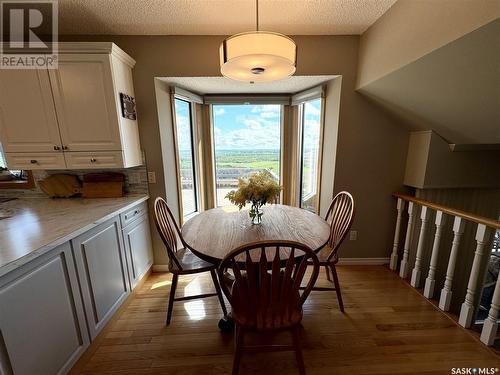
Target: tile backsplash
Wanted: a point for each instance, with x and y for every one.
(136, 181)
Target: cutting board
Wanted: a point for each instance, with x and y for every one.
(61, 185)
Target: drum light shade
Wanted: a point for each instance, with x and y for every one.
(258, 56)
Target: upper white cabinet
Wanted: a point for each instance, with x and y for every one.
(71, 110)
(84, 99)
(28, 121)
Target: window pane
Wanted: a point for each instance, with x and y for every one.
(185, 145)
(2, 159)
(311, 133)
(247, 139)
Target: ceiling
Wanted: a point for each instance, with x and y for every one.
(454, 90)
(223, 85)
(218, 17)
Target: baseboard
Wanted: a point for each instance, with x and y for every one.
(363, 261)
(160, 267)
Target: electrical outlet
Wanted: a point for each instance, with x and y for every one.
(152, 177)
(353, 235)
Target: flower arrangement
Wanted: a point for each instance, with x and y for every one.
(259, 189)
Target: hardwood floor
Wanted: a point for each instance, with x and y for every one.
(387, 328)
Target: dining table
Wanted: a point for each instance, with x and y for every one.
(214, 233)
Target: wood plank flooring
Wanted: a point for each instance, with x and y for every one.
(388, 328)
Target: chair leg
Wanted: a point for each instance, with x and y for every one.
(298, 350)
(337, 287)
(219, 291)
(238, 347)
(171, 297)
(328, 277)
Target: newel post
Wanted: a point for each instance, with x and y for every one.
(394, 256)
(467, 311)
(430, 281)
(403, 271)
(458, 230)
(417, 270)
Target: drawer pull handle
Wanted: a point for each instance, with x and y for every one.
(133, 214)
(65, 147)
(93, 160)
(57, 148)
(33, 161)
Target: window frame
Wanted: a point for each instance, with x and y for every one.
(235, 100)
(196, 189)
(300, 147)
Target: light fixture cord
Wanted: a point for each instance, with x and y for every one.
(257, 14)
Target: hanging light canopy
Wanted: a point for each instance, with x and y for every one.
(258, 56)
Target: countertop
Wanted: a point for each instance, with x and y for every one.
(40, 224)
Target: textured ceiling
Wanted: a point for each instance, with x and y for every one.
(454, 90)
(223, 85)
(218, 17)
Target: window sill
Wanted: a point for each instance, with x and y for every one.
(19, 184)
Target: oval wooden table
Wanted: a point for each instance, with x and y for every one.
(212, 234)
(215, 233)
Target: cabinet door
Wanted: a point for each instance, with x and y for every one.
(137, 238)
(94, 160)
(42, 323)
(102, 271)
(35, 160)
(85, 103)
(27, 116)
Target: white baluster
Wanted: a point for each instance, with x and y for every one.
(490, 327)
(482, 234)
(394, 256)
(445, 299)
(417, 270)
(430, 281)
(403, 271)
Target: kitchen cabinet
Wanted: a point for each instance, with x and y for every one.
(28, 121)
(138, 245)
(71, 110)
(102, 270)
(42, 322)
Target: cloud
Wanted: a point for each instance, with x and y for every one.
(252, 124)
(220, 111)
(312, 109)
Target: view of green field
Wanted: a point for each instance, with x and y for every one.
(258, 159)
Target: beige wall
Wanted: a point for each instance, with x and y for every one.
(411, 29)
(371, 149)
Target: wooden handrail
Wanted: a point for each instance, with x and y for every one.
(451, 211)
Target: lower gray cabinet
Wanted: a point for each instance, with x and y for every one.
(42, 323)
(138, 246)
(101, 266)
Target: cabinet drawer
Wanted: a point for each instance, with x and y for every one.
(35, 160)
(94, 160)
(131, 215)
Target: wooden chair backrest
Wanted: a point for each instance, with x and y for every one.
(340, 215)
(168, 229)
(267, 278)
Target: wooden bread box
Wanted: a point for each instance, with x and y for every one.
(103, 185)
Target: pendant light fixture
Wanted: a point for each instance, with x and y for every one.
(258, 56)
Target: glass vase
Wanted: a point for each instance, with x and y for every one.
(256, 213)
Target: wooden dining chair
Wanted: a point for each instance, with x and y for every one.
(340, 215)
(181, 260)
(265, 295)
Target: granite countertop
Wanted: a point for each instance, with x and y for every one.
(38, 225)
